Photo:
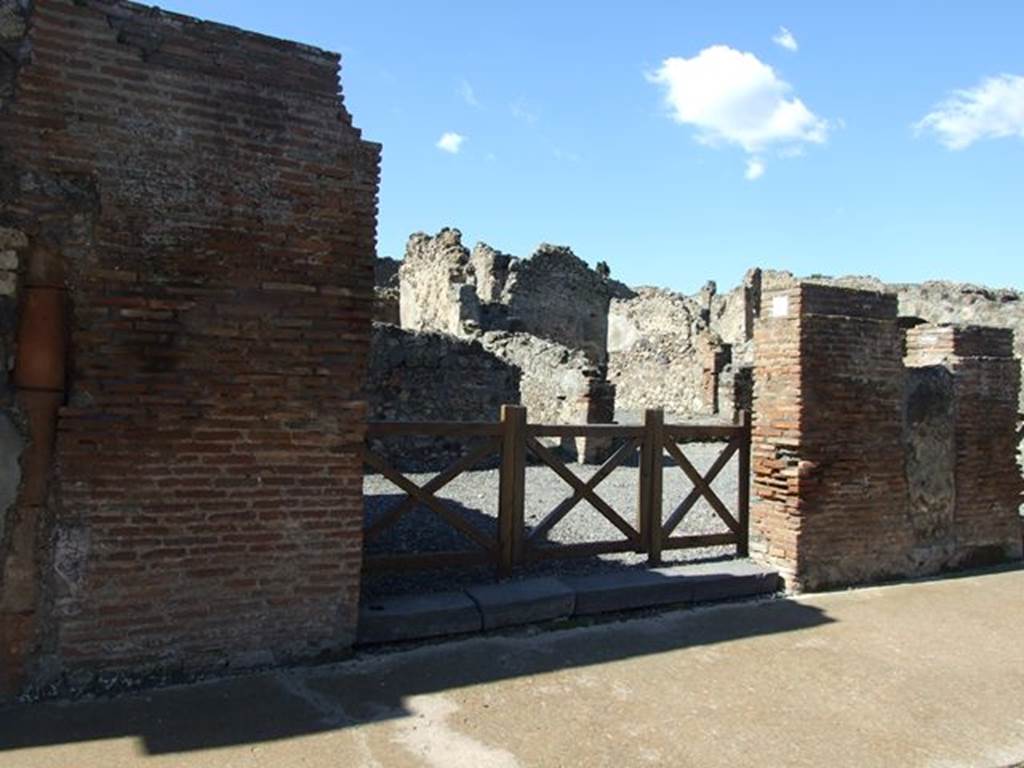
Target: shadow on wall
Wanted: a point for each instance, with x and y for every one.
(298, 702)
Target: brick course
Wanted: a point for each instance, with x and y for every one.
(835, 442)
(216, 211)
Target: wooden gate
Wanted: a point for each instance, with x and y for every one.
(513, 441)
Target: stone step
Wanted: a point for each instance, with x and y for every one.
(536, 600)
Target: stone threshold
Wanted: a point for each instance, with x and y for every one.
(545, 599)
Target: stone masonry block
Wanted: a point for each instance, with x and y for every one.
(523, 602)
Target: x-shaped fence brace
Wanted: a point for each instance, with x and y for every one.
(701, 486)
(583, 490)
(512, 439)
(426, 494)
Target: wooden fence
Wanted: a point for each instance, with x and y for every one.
(512, 439)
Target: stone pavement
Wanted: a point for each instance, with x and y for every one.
(922, 674)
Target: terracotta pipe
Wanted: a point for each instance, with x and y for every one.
(40, 366)
(39, 380)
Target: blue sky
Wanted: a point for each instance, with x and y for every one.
(884, 140)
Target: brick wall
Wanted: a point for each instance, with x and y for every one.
(865, 469)
(215, 210)
(777, 465)
(985, 379)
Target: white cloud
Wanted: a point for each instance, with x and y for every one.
(993, 109)
(732, 97)
(451, 142)
(755, 169)
(521, 110)
(785, 38)
(468, 94)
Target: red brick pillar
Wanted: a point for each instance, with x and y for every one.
(827, 447)
(986, 382)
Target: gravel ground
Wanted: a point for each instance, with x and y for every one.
(474, 495)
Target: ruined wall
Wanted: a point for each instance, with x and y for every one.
(556, 384)
(691, 355)
(18, 592)
(936, 302)
(546, 316)
(490, 272)
(865, 469)
(553, 294)
(386, 293)
(659, 350)
(984, 378)
(12, 439)
(437, 286)
(215, 210)
(404, 384)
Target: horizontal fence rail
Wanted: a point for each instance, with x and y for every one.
(513, 442)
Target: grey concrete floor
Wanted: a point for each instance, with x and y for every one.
(922, 674)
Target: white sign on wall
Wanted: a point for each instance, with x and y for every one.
(780, 306)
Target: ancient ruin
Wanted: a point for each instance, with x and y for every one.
(195, 335)
(514, 310)
(187, 228)
(880, 452)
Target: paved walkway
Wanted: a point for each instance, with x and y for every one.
(926, 674)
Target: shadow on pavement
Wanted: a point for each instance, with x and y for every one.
(374, 687)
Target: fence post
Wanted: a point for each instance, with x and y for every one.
(743, 478)
(512, 488)
(650, 483)
(643, 501)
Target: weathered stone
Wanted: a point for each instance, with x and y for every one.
(437, 290)
(929, 434)
(545, 316)
(555, 295)
(387, 294)
(523, 602)
(418, 616)
(434, 377)
(12, 443)
(657, 343)
(626, 591)
(725, 581)
(491, 269)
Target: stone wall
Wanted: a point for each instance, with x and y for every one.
(546, 316)
(691, 355)
(659, 352)
(437, 286)
(553, 294)
(17, 539)
(214, 210)
(558, 385)
(386, 292)
(865, 468)
(404, 384)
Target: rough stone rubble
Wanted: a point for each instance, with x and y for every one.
(544, 318)
(588, 348)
